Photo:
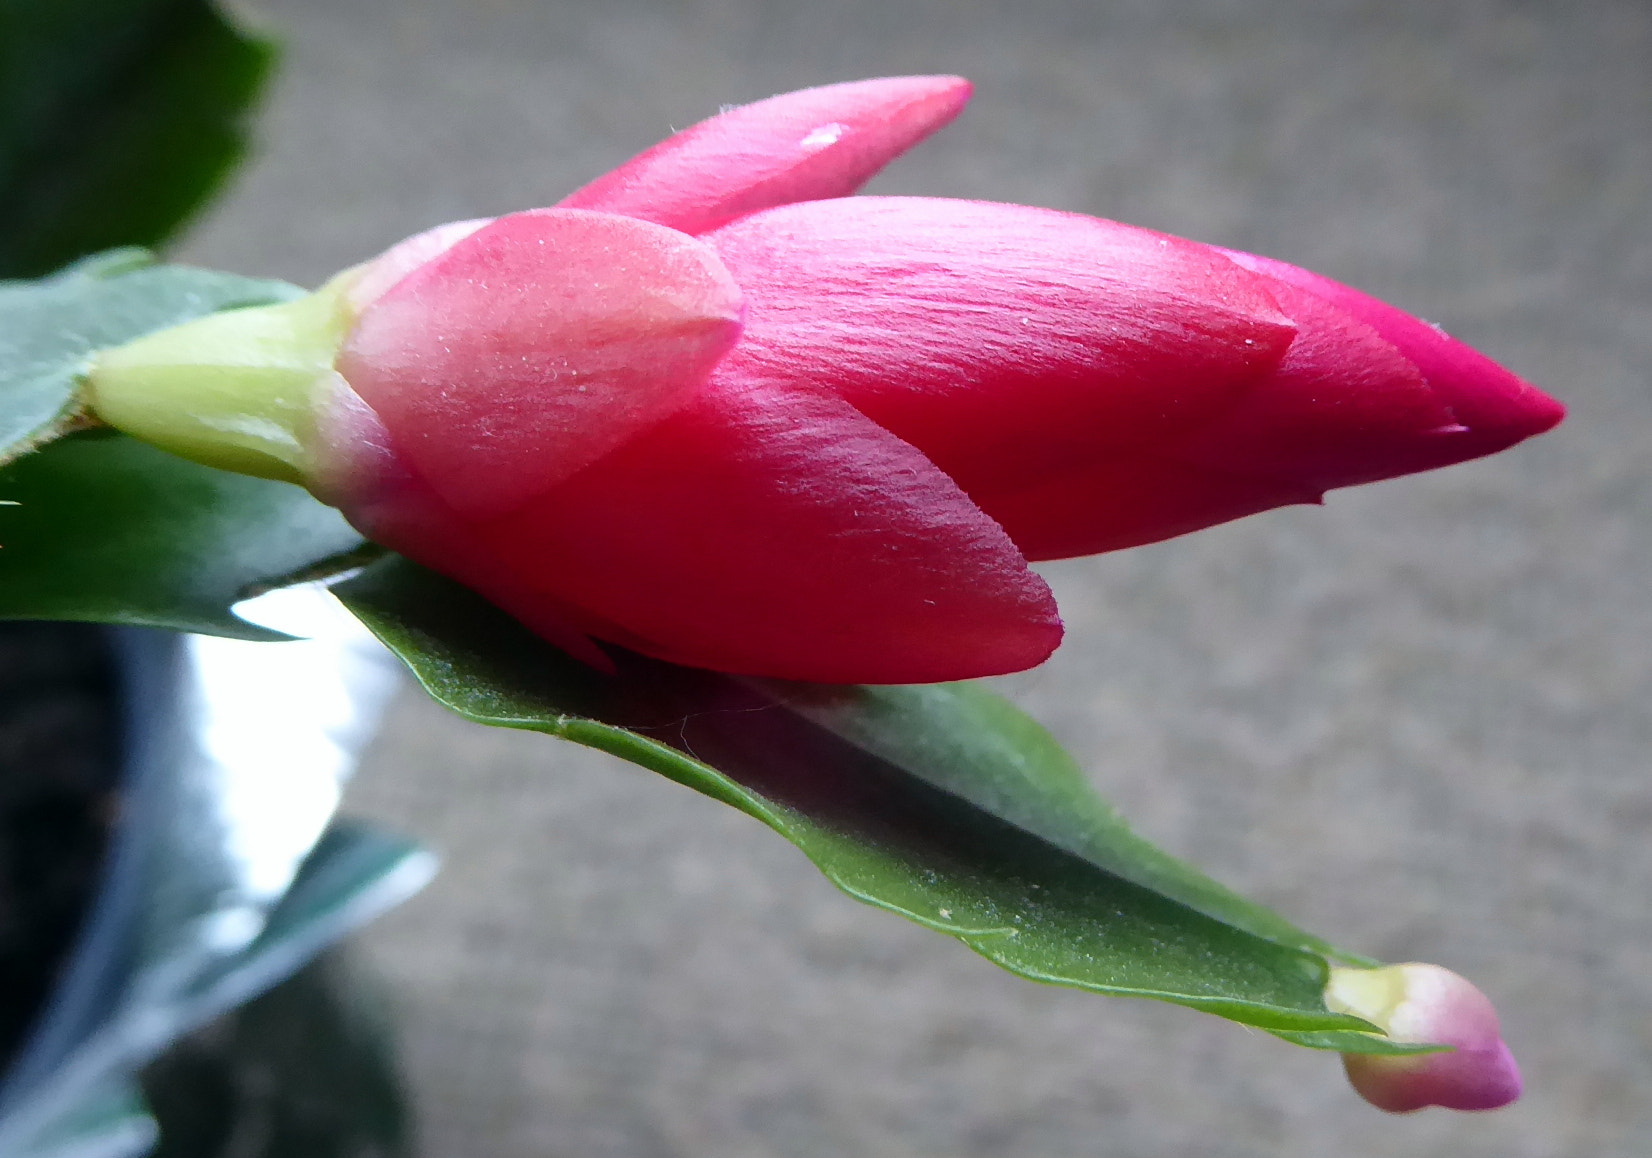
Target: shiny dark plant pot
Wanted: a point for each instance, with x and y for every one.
(221, 873)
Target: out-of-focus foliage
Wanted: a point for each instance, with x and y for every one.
(304, 1071)
(118, 119)
(104, 529)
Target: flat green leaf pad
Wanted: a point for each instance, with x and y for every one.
(51, 327)
(102, 528)
(941, 803)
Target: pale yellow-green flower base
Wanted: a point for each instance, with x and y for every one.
(235, 390)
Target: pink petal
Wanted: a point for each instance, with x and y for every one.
(1344, 407)
(1130, 500)
(1464, 1079)
(536, 345)
(1007, 343)
(1423, 1003)
(800, 146)
(782, 534)
(362, 473)
(1494, 408)
(378, 276)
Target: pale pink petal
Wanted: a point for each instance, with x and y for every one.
(360, 471)
(536, 345)
(799, 146)
(376, 277)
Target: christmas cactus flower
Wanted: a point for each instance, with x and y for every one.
(1425, 1003)
(713, 410)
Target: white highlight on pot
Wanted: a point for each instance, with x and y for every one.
(286, 723)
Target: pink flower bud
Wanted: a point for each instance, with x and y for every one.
(714, 410)
(1418, 1003)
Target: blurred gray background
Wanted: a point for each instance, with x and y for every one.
(1414, 720)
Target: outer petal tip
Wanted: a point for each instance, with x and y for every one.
(1493, 408)
(1420, 1003)
(1538, 412)
(808, 145)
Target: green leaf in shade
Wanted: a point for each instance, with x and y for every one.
(106, 529)
(941, 803)
(118, 118)
(1351, 1041)
(50, 328)
(110, 1120)
(306, 1070)
(981, 747)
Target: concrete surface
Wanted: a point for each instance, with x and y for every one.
(1415, 720)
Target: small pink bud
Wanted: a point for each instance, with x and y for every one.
(1426, 1004)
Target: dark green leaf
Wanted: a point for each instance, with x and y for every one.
(316, 1070)
(940, 803)
(118, 118)
(108, 530)
(1347, 1041)
(304, 1071)
(110, 1120)
(49, 328)
(307, 1069)
(979, 746)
